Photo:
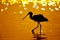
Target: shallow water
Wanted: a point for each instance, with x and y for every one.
(12, 27)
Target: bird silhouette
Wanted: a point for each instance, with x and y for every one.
(38, 18)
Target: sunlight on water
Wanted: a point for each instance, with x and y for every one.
(42, 2)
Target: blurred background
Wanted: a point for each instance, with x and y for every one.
(12, 27)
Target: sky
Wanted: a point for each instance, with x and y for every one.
(12, 27)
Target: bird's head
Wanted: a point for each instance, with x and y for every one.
(28, 14)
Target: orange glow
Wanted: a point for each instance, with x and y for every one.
(12, 27)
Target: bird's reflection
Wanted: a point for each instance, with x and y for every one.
(39, 37)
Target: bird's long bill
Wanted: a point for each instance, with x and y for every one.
(25, 16)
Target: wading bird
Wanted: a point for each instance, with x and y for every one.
(38, 18)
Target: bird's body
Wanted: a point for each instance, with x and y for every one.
(37, 18)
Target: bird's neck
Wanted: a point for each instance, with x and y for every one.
(30, 15)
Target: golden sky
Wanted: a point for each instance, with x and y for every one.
(12, 27)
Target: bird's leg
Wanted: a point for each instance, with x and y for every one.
(40, 30)
(34, 29)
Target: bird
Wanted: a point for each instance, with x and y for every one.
(37, 18)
